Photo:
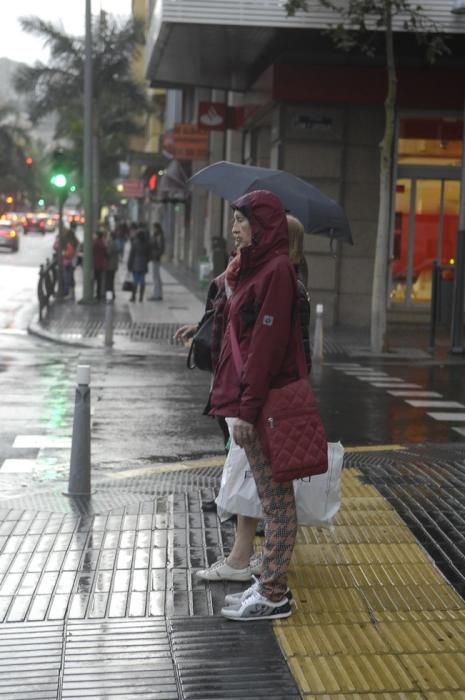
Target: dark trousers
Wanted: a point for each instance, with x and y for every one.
(98, 278)
(110, 281)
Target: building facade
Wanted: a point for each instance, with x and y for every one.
(296, 103)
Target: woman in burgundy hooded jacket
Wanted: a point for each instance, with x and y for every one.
(260, 312)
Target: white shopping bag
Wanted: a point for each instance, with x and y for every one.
(238, 493)
(318, 498)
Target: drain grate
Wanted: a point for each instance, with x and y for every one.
(30, 661)
(425, 485)
(217, 659)
(114, 493)
(118, 659)
(163, 332)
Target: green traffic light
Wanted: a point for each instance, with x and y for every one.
(72, 188)
(41, 202)
(60, 181)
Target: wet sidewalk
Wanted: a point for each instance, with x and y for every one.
(99, 598)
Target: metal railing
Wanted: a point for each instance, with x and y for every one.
(47, 285)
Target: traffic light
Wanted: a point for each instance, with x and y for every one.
(28, 160)
(59, 177)
(152, 182)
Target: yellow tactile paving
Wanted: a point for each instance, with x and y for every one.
(374, 618)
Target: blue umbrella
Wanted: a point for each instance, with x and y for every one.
(319, 214)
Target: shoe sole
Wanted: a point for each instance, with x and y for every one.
(278, 616)
(237, 603)
(217, 579)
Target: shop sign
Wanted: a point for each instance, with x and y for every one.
(186, 142)
(216, 116)
(133, 188)
(213, 116)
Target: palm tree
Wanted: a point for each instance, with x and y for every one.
(119, 100)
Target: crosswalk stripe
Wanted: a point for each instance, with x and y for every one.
(415, 393)
(393, 385)
(419, 403)
(444, 416)
(42, 442)
(17, 466)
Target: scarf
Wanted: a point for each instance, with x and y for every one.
(232, 271)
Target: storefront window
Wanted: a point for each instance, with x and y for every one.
(426, 206)
(435, 141)
(425, 231)
(430, 141)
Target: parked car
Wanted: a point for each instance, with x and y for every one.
(34, 222)
(51, 222)
(9, 235)
(17, 218)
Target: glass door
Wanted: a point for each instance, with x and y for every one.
(425, 230)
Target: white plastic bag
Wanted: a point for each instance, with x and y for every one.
(238, 493)
(317, 499)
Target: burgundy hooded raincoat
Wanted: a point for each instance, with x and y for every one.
(262, 311)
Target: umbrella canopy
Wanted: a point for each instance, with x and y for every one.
(318, 213)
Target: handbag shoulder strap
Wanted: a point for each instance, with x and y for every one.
(236, 353)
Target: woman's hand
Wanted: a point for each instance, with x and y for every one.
(185, 332)
(243, 432)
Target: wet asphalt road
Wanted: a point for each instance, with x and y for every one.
(148, 410)
(359, 413)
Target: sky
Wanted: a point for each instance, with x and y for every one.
(19, 46)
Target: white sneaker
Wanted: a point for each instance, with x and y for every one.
(221, 571)
(257, 607)
(236, 599)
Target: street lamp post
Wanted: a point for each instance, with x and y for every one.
(457, 346)
(88, 291)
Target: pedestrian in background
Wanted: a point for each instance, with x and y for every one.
(99, 254)
(111, 263)
(122, 237)
(74, 244)
(138, 262)
(157, 248)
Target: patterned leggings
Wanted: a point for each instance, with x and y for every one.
(280, 523)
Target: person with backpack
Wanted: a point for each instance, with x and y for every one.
(138, 262)
(157, 248)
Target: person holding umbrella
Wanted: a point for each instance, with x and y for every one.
(259, 317)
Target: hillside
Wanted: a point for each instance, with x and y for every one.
(43, 131)
(7, 91)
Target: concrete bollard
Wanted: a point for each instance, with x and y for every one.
(109, 313)
(317, 351)
(79, 470)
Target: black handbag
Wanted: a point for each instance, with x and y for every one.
(200, 351)
(128, 285)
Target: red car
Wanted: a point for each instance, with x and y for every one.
(34, 222)
(9, 235)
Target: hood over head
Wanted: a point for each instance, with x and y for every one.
(267, 218)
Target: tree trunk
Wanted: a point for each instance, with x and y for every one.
(380, 268)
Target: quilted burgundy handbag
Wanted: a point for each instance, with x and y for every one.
(291, 433)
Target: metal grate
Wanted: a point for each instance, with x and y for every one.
(425, 485)
(118, 659)
(217, 659)
(30, 661)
